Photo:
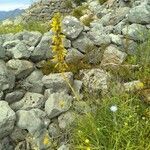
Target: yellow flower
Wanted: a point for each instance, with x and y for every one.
(57, 44)
(139, 85)
(87, 141)
(46, 140)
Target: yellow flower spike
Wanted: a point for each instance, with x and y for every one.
(46, 140)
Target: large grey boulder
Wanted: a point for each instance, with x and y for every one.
(58, 103)
(21, 68)
(57, 82)
(30, 38)
(7, 119)
(73, 56)
(95, 80)
(112, 55)
(140, 14)
(99, 34)
(20, 51)
(31, 120)
(71, 27)
(33, 83)
(10, 44)
(43, 49)
(135, 32)
(29, 101)
(82, 43)
(7, 77)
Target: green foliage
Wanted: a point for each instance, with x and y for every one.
(68, 4)
(48, 67)
(127, 128)
(78, 12)
(31, 26)
(79, 2)
(102, 1)
(88, 20)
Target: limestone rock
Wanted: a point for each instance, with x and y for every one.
(95, 80)
(56, 81)
(140, 14)
(30, 120)
(71, 27)
(113, 55)
(136, 32)
(21, 68)
(7, 77)
(7, 119)
(58, 103)
(29, 101)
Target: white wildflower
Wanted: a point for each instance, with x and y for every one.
(113, 108)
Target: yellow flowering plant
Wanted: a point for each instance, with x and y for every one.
(58, 48)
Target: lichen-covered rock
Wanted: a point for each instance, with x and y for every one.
(99, 34)
(7, 77)
(82, 43)
(31, 120)
(140, 14)
(29, 101)
(21, 68)
(135, 32)
(58, 103)
(95, 80)
(20, 51)
(31, 38)
(65, 120)
(113, 55)
(33, 83)
(57, 83)
(7, 119)
(73, 56)
(71, 27)
(43, 49)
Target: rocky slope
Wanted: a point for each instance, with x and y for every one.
(37, 108)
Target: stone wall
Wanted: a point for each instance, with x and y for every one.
(34, 106)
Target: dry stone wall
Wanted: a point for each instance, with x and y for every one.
(33, 105)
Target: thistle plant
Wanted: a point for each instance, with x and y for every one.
(59, 49)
